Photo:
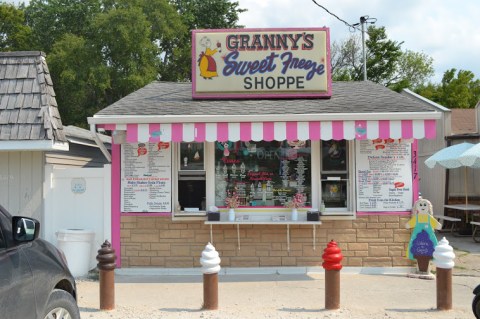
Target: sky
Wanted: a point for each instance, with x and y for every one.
(446, 30)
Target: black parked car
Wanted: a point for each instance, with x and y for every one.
(476, 302)
(35, 282)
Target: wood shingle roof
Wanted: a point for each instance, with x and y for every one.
(28, 108)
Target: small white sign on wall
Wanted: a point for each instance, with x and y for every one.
(78, 185)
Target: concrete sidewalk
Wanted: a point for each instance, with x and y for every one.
(277, 296)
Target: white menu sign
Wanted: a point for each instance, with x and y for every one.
(146, 184)
(384, 175)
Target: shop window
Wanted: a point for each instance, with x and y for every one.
(335, 184)
(191, 178)
(262, 174)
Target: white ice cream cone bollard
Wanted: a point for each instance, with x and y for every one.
(210, 268)
(443, 258)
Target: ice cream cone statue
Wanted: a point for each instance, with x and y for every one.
(423, 240)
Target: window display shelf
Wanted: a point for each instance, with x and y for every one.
(266, 220)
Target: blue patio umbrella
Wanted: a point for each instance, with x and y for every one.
(471, 157)
(450, 157)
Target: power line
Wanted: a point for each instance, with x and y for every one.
(363, 21)
(351, 26)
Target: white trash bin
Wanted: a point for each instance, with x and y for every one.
(76, 244)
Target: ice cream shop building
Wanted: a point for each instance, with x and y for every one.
(263, 129)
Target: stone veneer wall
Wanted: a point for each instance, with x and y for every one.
(368, 241)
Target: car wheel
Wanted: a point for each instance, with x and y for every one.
(476, 306)
(62, 305)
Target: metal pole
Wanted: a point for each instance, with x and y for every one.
(363, 20)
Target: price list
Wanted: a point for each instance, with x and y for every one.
(146, 177)
(383, 175)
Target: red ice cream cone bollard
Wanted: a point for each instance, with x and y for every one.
(332, 258)
(106, 264)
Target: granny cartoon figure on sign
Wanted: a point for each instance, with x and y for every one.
(423, 240)
(206, 62)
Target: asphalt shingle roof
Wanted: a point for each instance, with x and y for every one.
(28, 108)
(464, 121)
(170, 98)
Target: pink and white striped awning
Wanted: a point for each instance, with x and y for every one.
(279, 131)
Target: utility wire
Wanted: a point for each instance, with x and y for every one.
(351, 26)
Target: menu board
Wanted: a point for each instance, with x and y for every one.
(146, 178)
(384, 175)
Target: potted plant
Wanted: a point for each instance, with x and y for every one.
(298, 200)
(232, 202)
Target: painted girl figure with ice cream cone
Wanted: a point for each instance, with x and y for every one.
(423, 240)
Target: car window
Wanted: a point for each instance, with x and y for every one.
(2, 241)
(3, 221)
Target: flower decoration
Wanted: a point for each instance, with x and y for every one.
(298, 200)
(232, 200)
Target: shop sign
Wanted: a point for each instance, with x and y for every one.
(78, 185)
(261, 63)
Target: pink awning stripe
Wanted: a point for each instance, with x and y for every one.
(177, 132)
(200, 134)
(292, 133)
(360, 130)
(246, 131)
(154, 130)
(383, 129)
(222, 132)
(337, 130)
(269, 131)
(430, 129)
(132, 133)
(407, 129)
(314, 130)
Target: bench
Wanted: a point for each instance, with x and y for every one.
(476, 224)
(452, 220)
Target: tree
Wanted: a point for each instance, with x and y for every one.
(51, 19)
(14, 34)
(212, 14)
(386, 62)
(457, 90)
(101, 50)
(412, 70)
(123, 40)
(197, 14)
(382, 56)
(80, 77)
(462, 91)
(347, 59)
